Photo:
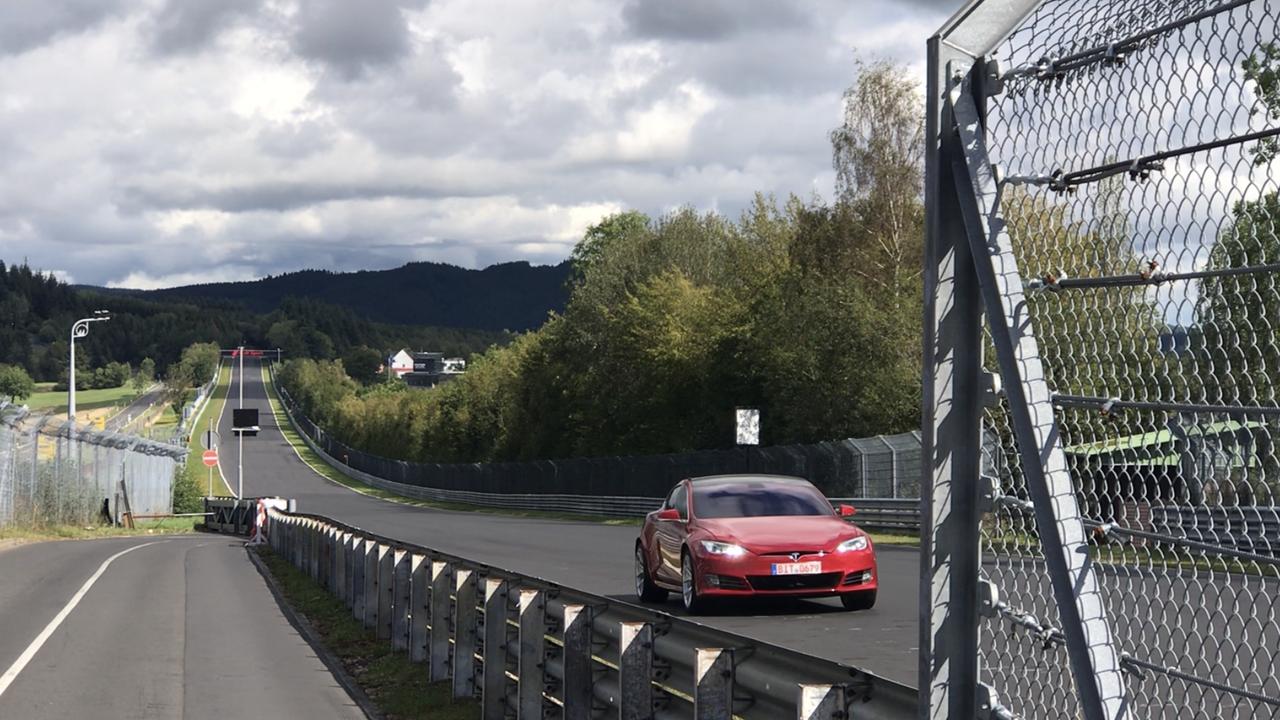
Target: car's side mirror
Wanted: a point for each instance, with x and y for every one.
(847, 510)
(669, 514)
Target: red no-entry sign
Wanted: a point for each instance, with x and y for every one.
(210, 457)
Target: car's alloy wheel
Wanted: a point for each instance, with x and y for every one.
(689, 585)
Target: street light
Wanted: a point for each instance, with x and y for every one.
(78, 330)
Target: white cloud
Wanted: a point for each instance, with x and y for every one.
(151, 142)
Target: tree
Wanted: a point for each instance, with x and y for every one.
(878, 156)
(363, 364)
(15, 383)
(178, 382)
(145, 375)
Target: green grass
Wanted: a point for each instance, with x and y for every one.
(396, 686)
(165, 526)
(195, 467)
(85, 399)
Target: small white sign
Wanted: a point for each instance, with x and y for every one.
(748, 426)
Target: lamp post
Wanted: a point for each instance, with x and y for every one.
(78, 330)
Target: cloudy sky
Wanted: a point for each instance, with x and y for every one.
(146, 143)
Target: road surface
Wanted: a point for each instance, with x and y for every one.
(589, 556)
(175, 627)
(144, 401)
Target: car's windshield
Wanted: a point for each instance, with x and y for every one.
(757, 500)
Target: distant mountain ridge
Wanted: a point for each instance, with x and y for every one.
(509, 296)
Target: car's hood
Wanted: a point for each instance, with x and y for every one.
(781, 534)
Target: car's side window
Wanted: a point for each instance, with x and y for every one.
(676, 492)
(681, 502)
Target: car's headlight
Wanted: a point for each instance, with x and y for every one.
(853, 544)
(723, 548)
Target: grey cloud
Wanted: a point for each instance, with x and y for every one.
(277, 196)
(28, 24)
(351, 36)
(707, 19)
(183, 26)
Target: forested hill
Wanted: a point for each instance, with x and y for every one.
(512, 296)
(37, 311)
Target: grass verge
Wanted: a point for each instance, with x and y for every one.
(85, 399)
(195, 468)
(165, 526)
(396, 686)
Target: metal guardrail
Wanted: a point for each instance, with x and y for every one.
(230, 515)
(1248, 529)
(529, 648)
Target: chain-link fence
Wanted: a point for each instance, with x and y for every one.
(1105, 185)
(50, 474)
(885, 466)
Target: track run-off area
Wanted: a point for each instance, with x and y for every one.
(590, 556)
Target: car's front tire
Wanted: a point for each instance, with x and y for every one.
(694, 603)
(862, 600)
(645, 589)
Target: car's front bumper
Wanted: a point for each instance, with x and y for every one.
(754, 575)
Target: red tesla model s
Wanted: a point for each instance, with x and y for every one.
(753, 535)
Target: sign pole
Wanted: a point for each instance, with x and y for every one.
(240, 461)
(210, 469)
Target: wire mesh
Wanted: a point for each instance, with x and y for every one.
(52, 473)
(1137, 147)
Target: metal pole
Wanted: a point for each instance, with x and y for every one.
(210, 467)
(240, 440)
(71, 378)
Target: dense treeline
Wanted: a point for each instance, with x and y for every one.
(37, 311)
(805, 309)
(509, 296)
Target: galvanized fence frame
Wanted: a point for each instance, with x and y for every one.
(1102, 531)
(59, 473)
(528, 648)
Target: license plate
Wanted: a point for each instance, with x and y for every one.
(804, 568)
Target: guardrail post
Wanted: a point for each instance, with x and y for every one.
(420, 602)
(313, 559)
(713, 688)
(332, 559)
(823, 702)
(400, 602)
(357, 576)
(464, 634)
(494, 698)
(341, 540)
(348, 567)
(577, 662)
(635, 671)
(441, 576)
(370, 618)
(533, 654)
(386, 590)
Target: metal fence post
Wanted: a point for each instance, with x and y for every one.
(635, 671)
(386, 590)
(441, 579)
(713, 684)
(341, 541)
(577, 662)
(358, 552)
(464, 634)
(823, 702)
(370, 618)
(420, 602)
(494, 697)
(400, 606)
(533, 653)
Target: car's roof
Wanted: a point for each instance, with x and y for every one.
(740, 479)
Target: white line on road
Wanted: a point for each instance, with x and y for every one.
(12, 673)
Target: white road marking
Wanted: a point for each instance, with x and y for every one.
(12, 673)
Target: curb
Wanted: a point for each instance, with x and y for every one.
(309, 633)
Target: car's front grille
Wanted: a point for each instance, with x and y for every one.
(802, 552)
(794, 582)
